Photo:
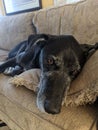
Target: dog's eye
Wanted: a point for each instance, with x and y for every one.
(50, 61)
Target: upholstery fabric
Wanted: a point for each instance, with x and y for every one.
(18, 109)
(29, 79)
(80, 20)
(15, 29)
(18, 104)
(3, 55)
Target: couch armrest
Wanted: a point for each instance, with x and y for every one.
(14, 29)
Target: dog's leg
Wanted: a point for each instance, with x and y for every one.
(18, 70)
(17, 49)
(9, 63)
(12, 71)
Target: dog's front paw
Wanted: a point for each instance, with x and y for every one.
(8, 70)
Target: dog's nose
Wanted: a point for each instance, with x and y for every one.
(51, 108)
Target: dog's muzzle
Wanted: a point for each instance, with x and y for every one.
(52, 89)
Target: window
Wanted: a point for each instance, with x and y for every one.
(17, 6)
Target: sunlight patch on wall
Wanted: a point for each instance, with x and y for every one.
(57, 2)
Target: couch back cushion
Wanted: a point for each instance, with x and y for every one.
(14, 29)
(80, 20)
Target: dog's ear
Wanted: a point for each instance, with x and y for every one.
(89, 49)
(39, 41)
(44, 36)
(30, 38)
(36, 38)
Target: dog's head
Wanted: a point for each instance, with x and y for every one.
(59, 64)
(59, 59)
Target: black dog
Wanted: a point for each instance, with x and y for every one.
(24, 56)
(60, 59)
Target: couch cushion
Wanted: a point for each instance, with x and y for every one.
(23, 102)
(14, 29)
(80, 20)
(29, 79)
(3, 55)
(19, 104)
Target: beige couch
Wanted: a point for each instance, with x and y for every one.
(18, 105)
